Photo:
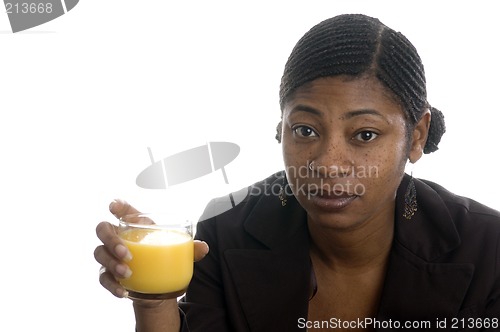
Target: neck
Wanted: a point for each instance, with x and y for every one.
(359, 249)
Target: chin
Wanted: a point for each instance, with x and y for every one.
(340, 220)
(336, 224)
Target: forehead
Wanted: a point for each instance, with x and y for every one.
(346, 93)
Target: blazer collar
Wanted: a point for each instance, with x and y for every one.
(431, 232)
(274, 224)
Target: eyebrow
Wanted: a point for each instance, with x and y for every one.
(351, 114)
(346, 116)
(307, 109)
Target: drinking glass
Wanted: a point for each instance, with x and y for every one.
(162, 254)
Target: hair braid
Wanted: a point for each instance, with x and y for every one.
(355, 45)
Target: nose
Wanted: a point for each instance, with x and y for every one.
(333, 159)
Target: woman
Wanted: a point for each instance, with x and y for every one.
(348, 241)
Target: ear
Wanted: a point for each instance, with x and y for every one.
(279, 131)
(419, 137)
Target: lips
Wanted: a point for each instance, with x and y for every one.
(333, 200)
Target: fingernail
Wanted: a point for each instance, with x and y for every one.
(123, 293)
(123, 252)
(207, 248)
(113, 204)
(123, 270)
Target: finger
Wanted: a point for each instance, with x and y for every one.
(106, 232)
(108, 281)
(116, 267)
(120, 208)
(200, 250)
(126, 212)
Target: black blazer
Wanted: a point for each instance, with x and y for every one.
(444, 265)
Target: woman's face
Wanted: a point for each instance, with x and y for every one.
(354, 134)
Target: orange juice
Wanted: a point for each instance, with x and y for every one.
(162, 260)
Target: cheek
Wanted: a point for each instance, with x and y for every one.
(296, 163)
(295, 155)
(384, 167)
(288, 157)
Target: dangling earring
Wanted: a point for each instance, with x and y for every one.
(282, 194)
(410, 199)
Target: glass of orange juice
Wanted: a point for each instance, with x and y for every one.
(162, 254)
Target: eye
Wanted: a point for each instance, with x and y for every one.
(366, 136)
(304, 131)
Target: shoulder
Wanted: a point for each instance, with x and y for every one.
(478, 229)
(230, 212)
(464, 209)
(258, 219)
(240, 203)
(476, 225)
(446, 223)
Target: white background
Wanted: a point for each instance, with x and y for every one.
(83, 96)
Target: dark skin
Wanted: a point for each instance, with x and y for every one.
(354, 133)
(338, 121)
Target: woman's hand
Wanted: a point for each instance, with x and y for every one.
(113, 255)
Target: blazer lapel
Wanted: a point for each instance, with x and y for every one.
(273, 287)
(418, 290)
(418, 285)
(273, 284)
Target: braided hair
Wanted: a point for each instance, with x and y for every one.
(356, 45)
